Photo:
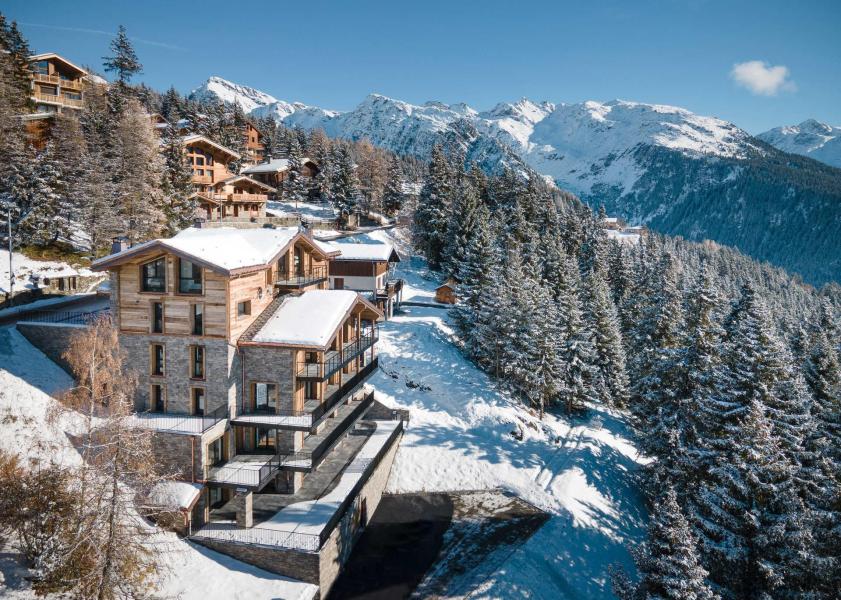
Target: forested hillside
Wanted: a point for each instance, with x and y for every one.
(728, 369)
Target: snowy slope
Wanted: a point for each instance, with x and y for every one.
(226, 91)
(27, 380)
(810, 138)
(463, 435)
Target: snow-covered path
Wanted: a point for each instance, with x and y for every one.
(462, 437)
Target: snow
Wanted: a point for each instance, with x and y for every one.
(372, 252)
(459, 437)
(50, 303)
(216, 88)
(25, 268)
(275, 165)
(810, 138)
(27, 379)
(228, 248)
(308, 210)
(310, 319)
(624, 237)
(175, 495)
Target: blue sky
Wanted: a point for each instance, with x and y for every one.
(332, 54)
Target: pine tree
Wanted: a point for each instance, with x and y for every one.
(611, 379)
(433, 211)
(461, 227)
(344, 185)
(578, 357)
(294, 185)
(179, 204)
(123, 59)
(668, 562)
(16, 51)
(393, 194)
(750, 521)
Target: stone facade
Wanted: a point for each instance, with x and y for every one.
(53, 339)
(222, 370)
(269, 365)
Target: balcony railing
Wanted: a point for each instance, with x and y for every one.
(179, 423)
(75, 84)
(64, 317)
(261, 536)
(302, 419)
(254, 475)
(304, 277)
(335, 360)
(240, 197)
(204, 179)
(63, 100)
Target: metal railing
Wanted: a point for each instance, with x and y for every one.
(180, 423)
(67, 317)
(261, 536)
(304, 277)
(243, 474)
(337, 359)
(347, 387)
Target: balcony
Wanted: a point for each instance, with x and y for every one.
(303, 278)
(259, 198)
(202, 179)
(314, 411)
(55, 99)
(70, 84)
(335, 360)
(179, 423)
(245, 470)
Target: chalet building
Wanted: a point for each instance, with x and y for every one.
(273, 172)
(220, 192)
(446, 292)
(369, 270)
(254, 150)
(251, 374)
(57, 84)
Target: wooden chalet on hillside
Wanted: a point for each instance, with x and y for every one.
(57, 84)
(275, 171)
(368, 269)
(251, 376)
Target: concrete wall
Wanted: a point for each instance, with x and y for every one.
(222, 370)
(53, 339)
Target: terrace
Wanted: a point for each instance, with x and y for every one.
(302, 277)
(334, 360)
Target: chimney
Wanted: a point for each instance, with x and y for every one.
(119, 244)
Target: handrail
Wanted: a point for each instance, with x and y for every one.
(69, 317)
(351, 350)
(344, 389)
(242, 475)
(261, 536)
(316, 273)
(161, 421)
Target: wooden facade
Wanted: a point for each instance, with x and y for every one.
(254, 149)
(57, 84)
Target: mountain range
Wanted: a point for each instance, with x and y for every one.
(811, 138)
(666, 167)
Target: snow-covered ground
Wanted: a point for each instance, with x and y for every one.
(307, 210)
(465, 434)
(27, 380)
(25, 268)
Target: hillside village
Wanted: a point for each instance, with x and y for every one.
(302, 339)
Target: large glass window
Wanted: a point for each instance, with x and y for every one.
(214, 452)
(265, 439)
(189, 277)
(198, 319)
(265, 397)
(153, 278)
(42, 67)
(158, 403)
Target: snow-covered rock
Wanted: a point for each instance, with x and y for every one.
(217, 88)
(810, 138)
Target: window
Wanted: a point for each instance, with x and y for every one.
(197, 317)
(339, 283)
(158, 359)
(215, 452)
(189, 277)
(73, 95)
(197, 362)
(310, 390)
(156, 398)
(198, 401)
(265, 439)
(244, 308)
(216, 499)
(200, 161)
(157, 317)
(42, 67)
(152, 277)
(265, 397)
(49, 90)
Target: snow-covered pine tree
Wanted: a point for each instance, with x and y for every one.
(122, 61)
(344, 185)
(16, 51)
(171, 106)
(578, 357)
(393, 194)
(179, 204)
(749, 519)
(668, 561)
(612, 378)
(461, 227)
(433, 211)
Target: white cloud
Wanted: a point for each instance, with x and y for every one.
(761, 78)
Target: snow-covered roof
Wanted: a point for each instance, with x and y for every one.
(174, 495)
(310, 319)
(236, 178)
(226, 249)
(276, 165)
(366, 252)
(195, 137)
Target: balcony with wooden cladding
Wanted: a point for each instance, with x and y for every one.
(202, 179)
(259, 198)
(70, 84)
(55, 99)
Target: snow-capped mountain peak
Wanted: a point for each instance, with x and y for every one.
(810, 138)
(248, 98)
